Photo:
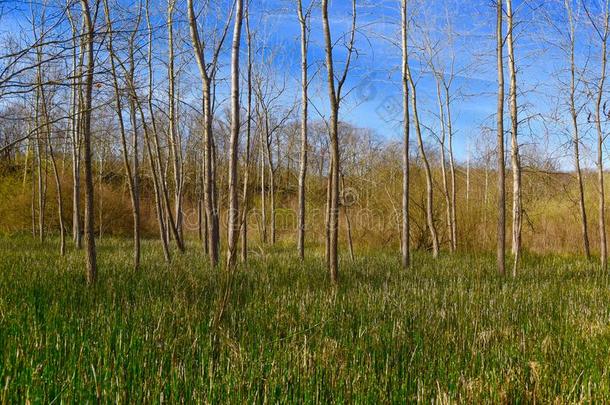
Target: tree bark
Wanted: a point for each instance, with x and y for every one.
(334, 95)
(246, 201)
(427, 170)
(454, 234)
(129, 172)
(75, 126)
(501, 237)
(515, 158)
(174, 137)
(135, 107)
(207, 72)
(233, 220)
(86, 114)
(348, 222)
(405, 245)
(576, 132)
(47, 130)
(263, 154)
(272, 169)
(303, 20)
(155, 137)
(327, 214)
(600, 143)
(41, 173)
(443, 137)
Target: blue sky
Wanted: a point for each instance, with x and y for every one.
(375, 78)
(374, 84)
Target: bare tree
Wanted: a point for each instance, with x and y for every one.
(207, 71)
(501, 248)
(233, 221)
(75, 127)
(41, 176)
(335, 87)
(447, 83)
(88, 38)
(136, 111)
(158, 155)
(348, 222)
(602, 33)
(43, 120)
(515, 158)
(48, 130)
(174, 137)
(575, 128)
(427, 169)
(405, 246)
(271, 117)
(304, 18)
(246, 202)
(443, 147)
(130, 172)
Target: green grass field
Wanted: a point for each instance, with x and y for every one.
(450, 330)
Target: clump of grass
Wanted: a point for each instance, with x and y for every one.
(450, 330)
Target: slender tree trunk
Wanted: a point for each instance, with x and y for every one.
(136, 109)
(515, 159)
(405, 246)
(26, 160)
(100, 204)
(174, 137)
(263, 154)
(129, 173)
(33, 193)
(576, 133)
(47, 130)
(348, 222)
(42, 189)
(334, 96)
(233, 220)
(202, 208)
(200, 218)
(334, 197)
(135, 173)
(272, 169)
(155, 137)
(86, 114)
(441, 106)
(327, 214)
(246, 201)
(454, 236)
(427, 170)
(600, 144)
(135, 166)
(303, 20)
(60, 208)
(209, 173)
(75, 132)
(209, 183)
(501, 252)
(163, 233)
(272, 203)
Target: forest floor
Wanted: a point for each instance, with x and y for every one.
(450, 330)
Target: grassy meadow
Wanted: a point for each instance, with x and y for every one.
(449, 330)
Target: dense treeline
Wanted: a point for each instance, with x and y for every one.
(373, 183)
